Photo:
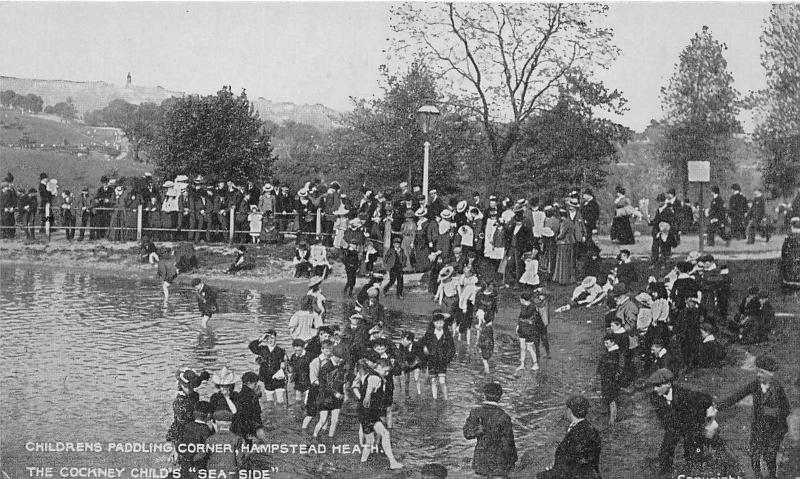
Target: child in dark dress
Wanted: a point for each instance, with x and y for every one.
(528, 330)
(381, 349)
(299, 370)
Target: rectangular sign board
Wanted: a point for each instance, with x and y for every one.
(699, 171)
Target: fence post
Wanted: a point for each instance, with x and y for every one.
(139, 223)
(231, 224)
(319, 221)
(47, 220)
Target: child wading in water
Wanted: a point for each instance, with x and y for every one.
(527, 330)
(331, 390)
(541, 300)
(439, 349)
(371, 408)
(486, 342)
(410, 360)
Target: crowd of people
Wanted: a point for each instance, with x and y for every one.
(657, 329)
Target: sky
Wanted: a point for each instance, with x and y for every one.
(325, 52)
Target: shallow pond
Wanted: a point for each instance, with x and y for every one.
(92, 359)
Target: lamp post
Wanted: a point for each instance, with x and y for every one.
(426, 116)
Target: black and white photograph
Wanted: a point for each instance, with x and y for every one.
(378, 240)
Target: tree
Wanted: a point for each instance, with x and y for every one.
(217, 134)
(137, 122)
(778, 131)
(562, 148)
(505, 62)
(383, 143)
(701, 107)
(65, 109)
(35, 103)
(7, 98)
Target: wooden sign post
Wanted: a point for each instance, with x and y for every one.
(700, 172)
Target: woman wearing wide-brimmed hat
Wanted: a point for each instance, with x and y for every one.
(185, 401)
(621, 230)
(340, 226)
(566, 239)
(225, 398)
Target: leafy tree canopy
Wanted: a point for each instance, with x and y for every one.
(218, 135)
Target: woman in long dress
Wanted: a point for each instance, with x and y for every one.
(621, 230)
(422, 261)
(564, 271)
(408, 231)
(552, 223)
(790, 256)
(494, 239)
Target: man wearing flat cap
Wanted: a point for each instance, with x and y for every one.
(496, 451)
(578, 455)
(770, 410)
(682, 413)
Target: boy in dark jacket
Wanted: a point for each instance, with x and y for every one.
(248, 407)
(495, 451)
(610, 369)
(770, 410)
(410, 356)
(578, 455)
(393, 261)
(439, 349)
(711, 353)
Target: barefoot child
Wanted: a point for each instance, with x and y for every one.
(486, 342)
(542, 302)
(314, 367)
(526, 330)
(447, 295)
(468, 289)
(370, 409)
(411, 360)
(206, 300)
(439, 350)
(485, 305)
(272, 369)
(331, 390)
(298, 370)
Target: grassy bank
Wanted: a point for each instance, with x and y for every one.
(71, 172)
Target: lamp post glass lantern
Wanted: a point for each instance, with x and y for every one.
(426, 117)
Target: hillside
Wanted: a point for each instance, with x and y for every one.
(49, 131)
(86, 96)
(318, 116)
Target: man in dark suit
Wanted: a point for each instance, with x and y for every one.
(664, 214)
(737, 208)
(717, 218)
(770, 410)
(756, 218)
(682, 413)
(435, 204)
(590, 211)
(578, 455)
(495, 452)
(519, 239)
(206, 300)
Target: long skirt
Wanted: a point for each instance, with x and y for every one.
(564, 271)
(621, 230)
(790, 261)
(548, 262)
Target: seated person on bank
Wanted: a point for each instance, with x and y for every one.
(711, 352)
(148, 253)
(318, 257)
(301, 261)
(243, 261)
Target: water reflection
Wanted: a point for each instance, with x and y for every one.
(93, 358)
